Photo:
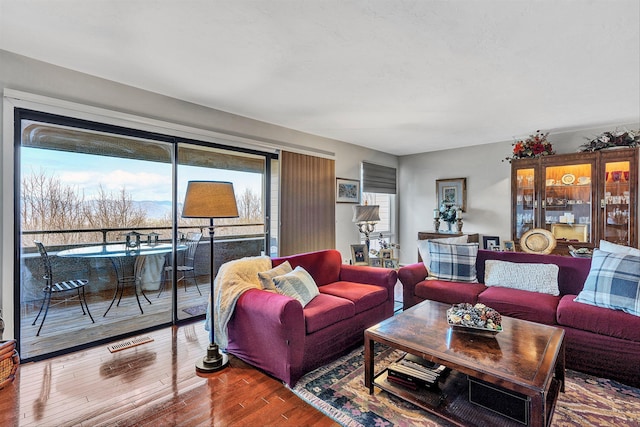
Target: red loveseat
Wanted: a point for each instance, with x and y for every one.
(598, 341)
(275, 333)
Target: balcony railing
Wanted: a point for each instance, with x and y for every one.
(230, 244)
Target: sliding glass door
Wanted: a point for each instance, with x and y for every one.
(106, 202)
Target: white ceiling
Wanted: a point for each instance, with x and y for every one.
(398, 76)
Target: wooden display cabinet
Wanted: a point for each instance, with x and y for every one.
(580, 198)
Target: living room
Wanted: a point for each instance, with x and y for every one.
(39, 82)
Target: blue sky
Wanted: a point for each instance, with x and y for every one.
(142, 179)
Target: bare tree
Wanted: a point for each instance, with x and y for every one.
(46, 204)
(249, 207)
(114, 210)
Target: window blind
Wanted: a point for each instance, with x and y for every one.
(307, 203)
(378, 179)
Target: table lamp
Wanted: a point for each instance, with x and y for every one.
(210, 199)
(366, 217)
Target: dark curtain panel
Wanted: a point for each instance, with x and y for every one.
(307, 203)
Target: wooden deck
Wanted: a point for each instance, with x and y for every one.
(153, 384)
(66, 327)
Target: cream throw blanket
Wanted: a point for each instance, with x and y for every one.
(233, 279)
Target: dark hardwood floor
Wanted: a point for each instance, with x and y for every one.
(153, 384)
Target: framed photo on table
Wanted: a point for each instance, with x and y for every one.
(359, 254)
(390, 263)
(347, 190)
(509, 246)
(490, 242)
(386, 253)
(375, 262)
(452, 192)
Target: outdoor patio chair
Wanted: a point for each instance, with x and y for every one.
(57, 288)
(188, 263)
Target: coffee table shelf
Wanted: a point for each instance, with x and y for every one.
(450, 401)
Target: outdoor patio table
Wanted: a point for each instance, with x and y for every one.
(122, 258)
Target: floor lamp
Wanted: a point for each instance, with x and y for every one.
(210, 199)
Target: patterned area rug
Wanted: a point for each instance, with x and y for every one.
(338, 390)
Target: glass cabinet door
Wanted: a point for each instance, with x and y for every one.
(525, 201)
(568, 202)
(616, 202)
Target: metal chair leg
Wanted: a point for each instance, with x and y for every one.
(46, 310)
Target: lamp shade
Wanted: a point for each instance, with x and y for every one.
(210, 199)
(366, 213)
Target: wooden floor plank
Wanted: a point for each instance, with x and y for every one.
(154, 384)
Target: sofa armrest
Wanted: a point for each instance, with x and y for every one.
(410, 275)
(266, 320)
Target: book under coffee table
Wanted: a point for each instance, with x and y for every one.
(513, 377)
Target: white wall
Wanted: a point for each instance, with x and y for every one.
(23, 74)
(488, 185)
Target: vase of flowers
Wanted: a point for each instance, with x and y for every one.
(535, 145)
(448, 214)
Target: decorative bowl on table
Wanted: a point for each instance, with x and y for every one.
(474, 318)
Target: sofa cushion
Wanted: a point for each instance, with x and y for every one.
(526, 305)
(449, 292)
(363, 296)
(297, 284)
(533, 277)
(454, 262)
(613, 282)
(266, 277)
(603, 321)
(325, 310)
(423, 246)
(324, 266)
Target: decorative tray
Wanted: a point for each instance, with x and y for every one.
(475, 329)
(473, 318)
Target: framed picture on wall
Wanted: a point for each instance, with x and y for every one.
(359, 254)
(452, 192)
(347, 190)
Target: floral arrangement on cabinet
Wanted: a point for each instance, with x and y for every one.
(535, 145)
(612, 139)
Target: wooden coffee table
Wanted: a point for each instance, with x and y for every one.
(526, 360)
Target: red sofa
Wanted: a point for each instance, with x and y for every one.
(275, 333)
(598, 341)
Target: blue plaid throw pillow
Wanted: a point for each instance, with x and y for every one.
(453, 262)
(613, 282)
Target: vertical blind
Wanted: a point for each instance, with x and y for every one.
(378, 179)
(307, 203)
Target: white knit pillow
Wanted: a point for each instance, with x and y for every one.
(534, 277)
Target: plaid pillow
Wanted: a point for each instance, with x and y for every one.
(613, 282)
(453, 262)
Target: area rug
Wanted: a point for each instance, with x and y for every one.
(338, 391)
(196, 310)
